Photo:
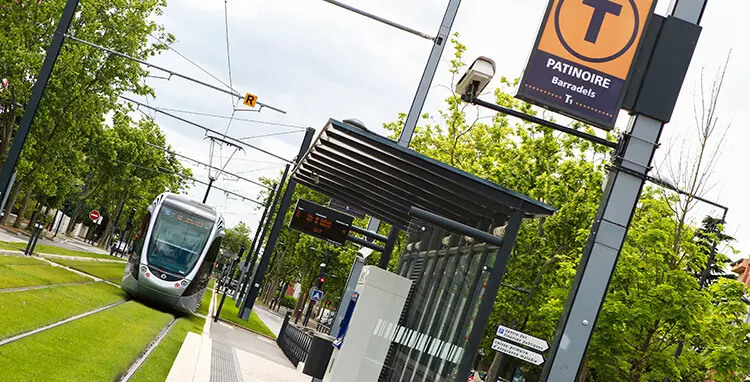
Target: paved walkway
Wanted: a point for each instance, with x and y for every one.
(225, 353)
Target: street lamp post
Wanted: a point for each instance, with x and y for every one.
(318, 284)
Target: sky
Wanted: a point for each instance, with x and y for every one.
(317, 61)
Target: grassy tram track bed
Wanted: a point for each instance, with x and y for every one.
(105, 270)
(205, 303)
(18, 271)
(23, 311)
(53, 250)
(99, 347)
(159, 362)
(254, 323)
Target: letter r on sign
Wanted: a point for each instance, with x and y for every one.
(250, 100)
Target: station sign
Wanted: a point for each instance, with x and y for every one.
(583, 56)
(321, 222)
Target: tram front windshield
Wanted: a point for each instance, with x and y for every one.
(177, 241)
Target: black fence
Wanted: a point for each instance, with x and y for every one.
(294, 341)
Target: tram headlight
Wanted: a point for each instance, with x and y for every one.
(143, 269)
(184, 283)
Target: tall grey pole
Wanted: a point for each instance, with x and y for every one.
(255, 247)
(251, 254)
(260, 273)
(623, 188)
(37, 92)
(429, 72)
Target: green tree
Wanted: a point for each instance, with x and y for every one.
(235, 238)
(84, 85)
(654, 301)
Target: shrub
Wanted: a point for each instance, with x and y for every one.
(289, 302)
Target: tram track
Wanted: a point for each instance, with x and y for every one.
(54, 264)
(151, 346)
(34, 287)
(17, 337)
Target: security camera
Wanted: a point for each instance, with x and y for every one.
(477, 77)
(365, 252)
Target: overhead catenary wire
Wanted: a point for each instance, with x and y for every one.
(185, 177)
(207, 129)
(204, 70)
(166, 150)
(236, 119)
(171, 72)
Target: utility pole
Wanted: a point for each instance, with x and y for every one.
(208, 189)
(623, 187)
(259, 236)
(429, 72)
(318, 285)
(37, 92)
(260, 273)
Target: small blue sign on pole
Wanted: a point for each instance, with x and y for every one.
(345, 322)
(316, 295)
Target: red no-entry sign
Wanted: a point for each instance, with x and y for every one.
(94, 215)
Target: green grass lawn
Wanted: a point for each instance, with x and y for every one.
(106, 270)
(205, 303)
(255, 324)
(16, 271)
(159, 362)
(99, 347)
(212, 283)
(52, 250)
(26, 310)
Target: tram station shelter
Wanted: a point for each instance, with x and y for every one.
(455, 253)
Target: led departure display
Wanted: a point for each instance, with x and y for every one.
(321, 222)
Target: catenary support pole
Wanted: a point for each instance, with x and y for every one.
(430, 69)
(228, 282)
(258, 241)
(623, 188)
(37, 92)
(208, 189)
(260, 273)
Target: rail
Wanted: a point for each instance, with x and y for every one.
(294, 341)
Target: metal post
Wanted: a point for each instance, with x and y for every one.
(429, 73)
(492, 286)
(277, 225)
(623, 188)
(319, 285)
(385, 257)
(228, 282)
(62, 216)
(258, 241)
(208, 189)
(351, 285)
(37, 92)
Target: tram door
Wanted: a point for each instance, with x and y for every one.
(135, 254)
(204, 272)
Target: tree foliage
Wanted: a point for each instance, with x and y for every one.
(84, 148)
(654, 301)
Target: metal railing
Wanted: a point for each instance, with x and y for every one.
(294, 341)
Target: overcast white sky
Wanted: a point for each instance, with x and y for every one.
(317, 61)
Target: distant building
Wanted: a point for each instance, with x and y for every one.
(742, 269)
